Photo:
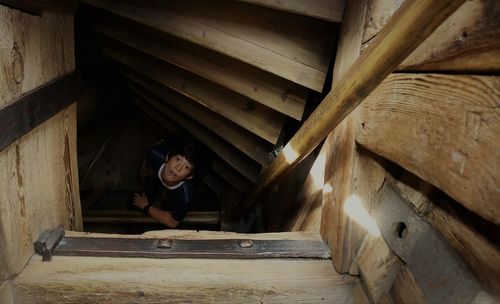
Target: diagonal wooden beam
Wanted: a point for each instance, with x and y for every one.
(405, 31)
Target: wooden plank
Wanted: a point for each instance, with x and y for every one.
(465, 42)
(323, 9)
(137, 217)
(407, 29)
(81, 279)
(260, 86)
(442, 276)
(458, 142)
(39, 176)
(293, 47)
(231, 156)
(477, 250)
(37, 7)
(252, 116)
(246, 142)
(35, 107)
(178, 249)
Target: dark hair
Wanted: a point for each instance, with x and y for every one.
(185, 146)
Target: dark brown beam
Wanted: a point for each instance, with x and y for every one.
(37, 106)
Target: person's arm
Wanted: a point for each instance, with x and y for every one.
(164, 217)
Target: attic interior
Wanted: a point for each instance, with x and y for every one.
(142, 83)
(351, 150)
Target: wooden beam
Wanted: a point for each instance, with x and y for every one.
(456, 146)
(231, 156)
(37, 106)
(215, 183)
(253, 146)
(412, 23)
(252, 116)
(469, 47)
(293, 47)
(323, 9)
(265, 88)
(137, 217)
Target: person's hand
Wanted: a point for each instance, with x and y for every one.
(140, 200)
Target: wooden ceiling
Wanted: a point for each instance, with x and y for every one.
(231, 73)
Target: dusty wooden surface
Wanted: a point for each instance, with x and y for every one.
(38, 180)
(444, 129)
(6, 295)
(132, 280)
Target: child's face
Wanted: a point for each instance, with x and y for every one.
(177, 169)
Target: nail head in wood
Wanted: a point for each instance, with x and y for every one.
(165, 243)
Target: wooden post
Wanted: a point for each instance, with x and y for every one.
(408, 27)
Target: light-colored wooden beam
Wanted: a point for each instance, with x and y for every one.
(252, 116)
(323, 9)
(233, 157)
(443, 128)
(246, 142)
(409, 27)
(269, 90)
(293, 47)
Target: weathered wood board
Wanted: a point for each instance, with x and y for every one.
(467, 41)
(265, 88)
(442, 128)
(38, 180)
(293, 47)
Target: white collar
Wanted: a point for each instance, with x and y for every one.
(161, 179)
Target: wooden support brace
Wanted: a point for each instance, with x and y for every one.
(408, 27)
(37, 106)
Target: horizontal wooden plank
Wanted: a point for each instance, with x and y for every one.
(232, 156)
(465, 42)
(209, 249)
(132, 216)
(260, 86)
(293, 47)
(445, 129)
(253, 146)
(35, 107)
(252, 116)
(323, 9)
(82, 279)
